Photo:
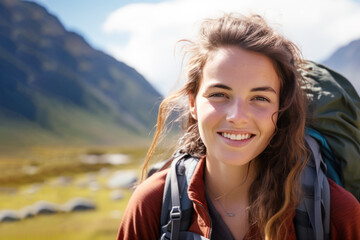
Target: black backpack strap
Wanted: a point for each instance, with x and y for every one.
(177, 208)
(312, 219)
(175, 213)
(169, 200)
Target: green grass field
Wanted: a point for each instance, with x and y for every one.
(50, 163)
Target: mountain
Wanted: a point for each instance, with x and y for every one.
(55, 88)
(346, 60)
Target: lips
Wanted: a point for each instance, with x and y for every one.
(236, 137)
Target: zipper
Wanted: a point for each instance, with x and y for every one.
(208, 215)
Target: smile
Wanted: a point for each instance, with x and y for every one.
(237, 137)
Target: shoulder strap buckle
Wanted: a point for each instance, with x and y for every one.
(175, 213)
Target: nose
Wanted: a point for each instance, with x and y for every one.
(238, 112)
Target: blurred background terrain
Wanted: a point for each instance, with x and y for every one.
(58, 88)
(75, 124)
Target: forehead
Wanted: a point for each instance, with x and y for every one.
(237, 65)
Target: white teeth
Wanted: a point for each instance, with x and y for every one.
(236, 137)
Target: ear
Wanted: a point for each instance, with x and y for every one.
(192, 106)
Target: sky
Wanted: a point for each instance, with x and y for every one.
(143, 33)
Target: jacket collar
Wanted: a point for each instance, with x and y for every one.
(196, 189)
(201, 221)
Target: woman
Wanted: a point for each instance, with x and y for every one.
(245, 119)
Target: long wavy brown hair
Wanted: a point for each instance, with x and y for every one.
(275, 192)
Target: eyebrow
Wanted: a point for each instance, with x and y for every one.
(263, 89)
(220, 86)
(257, 89)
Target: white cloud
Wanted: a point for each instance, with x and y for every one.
(317, 26)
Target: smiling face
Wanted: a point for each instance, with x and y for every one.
(236, 105)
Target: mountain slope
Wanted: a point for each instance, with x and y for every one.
(346, 60)
(52, 79)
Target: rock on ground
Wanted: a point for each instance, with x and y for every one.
(122, 179)
(78, 204)
(9, 216)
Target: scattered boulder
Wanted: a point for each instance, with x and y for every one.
(9, 216)
(44, 207)
(26, 212)
(79, 204)
(122, 179)
(116, 159)
(90, 181)
(113, 159)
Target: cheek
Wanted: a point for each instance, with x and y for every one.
(208, 113)
(209, 117)
(266, 118)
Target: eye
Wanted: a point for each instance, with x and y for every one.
(216, 95)
(261, 99)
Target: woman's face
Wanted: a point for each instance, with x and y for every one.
(236, 105)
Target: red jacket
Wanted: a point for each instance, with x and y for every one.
(141, 219)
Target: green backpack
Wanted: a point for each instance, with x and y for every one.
(335, 121)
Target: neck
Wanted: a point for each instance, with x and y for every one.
(228, 182)
(228, 188)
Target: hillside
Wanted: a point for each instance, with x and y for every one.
(346, 60)
(55, 88)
